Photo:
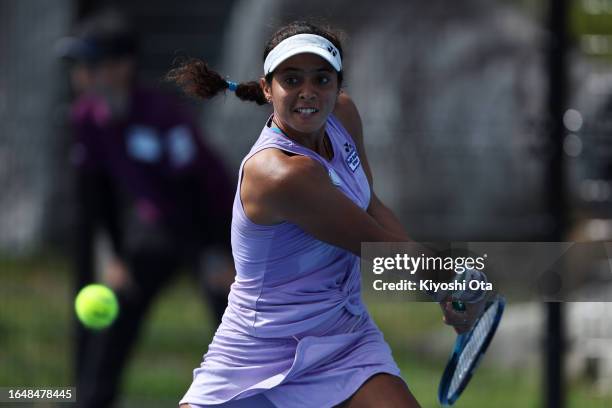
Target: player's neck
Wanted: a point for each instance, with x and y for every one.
(314, 141)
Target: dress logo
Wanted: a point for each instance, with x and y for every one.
(352, 158)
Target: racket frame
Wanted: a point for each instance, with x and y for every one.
(460, 343)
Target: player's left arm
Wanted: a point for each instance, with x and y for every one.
(346, 111)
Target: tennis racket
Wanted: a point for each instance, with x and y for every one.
(468, 351)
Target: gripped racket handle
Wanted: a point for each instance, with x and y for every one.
(458, 305)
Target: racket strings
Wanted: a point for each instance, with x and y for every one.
(472, 349)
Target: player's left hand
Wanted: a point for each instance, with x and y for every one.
(462, 321)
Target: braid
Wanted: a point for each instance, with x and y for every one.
(196, 79)
(251, 91)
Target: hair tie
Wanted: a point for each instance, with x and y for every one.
(232, 86)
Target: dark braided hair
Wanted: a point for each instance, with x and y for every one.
(196, 78)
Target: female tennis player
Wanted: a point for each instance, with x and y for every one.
(296, 333)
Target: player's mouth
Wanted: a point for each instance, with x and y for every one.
(306, 112)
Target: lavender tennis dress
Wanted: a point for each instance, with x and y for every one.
(295, 329)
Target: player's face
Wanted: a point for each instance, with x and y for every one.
(304, 90)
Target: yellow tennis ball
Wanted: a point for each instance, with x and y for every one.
(96, 306)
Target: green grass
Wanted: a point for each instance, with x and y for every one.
(36, 339)
(36, 344)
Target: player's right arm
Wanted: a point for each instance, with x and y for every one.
(277, 187)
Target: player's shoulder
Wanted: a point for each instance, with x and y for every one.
(347, 113)
(273, 182)
(276, 171)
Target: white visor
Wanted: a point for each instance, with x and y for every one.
(303, 44)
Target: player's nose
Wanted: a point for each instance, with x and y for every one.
(307, 91)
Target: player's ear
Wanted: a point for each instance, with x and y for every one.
(266, 88)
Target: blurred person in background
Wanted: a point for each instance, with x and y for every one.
(144, 176)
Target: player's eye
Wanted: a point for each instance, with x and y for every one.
(324, 79)
(291, 80)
